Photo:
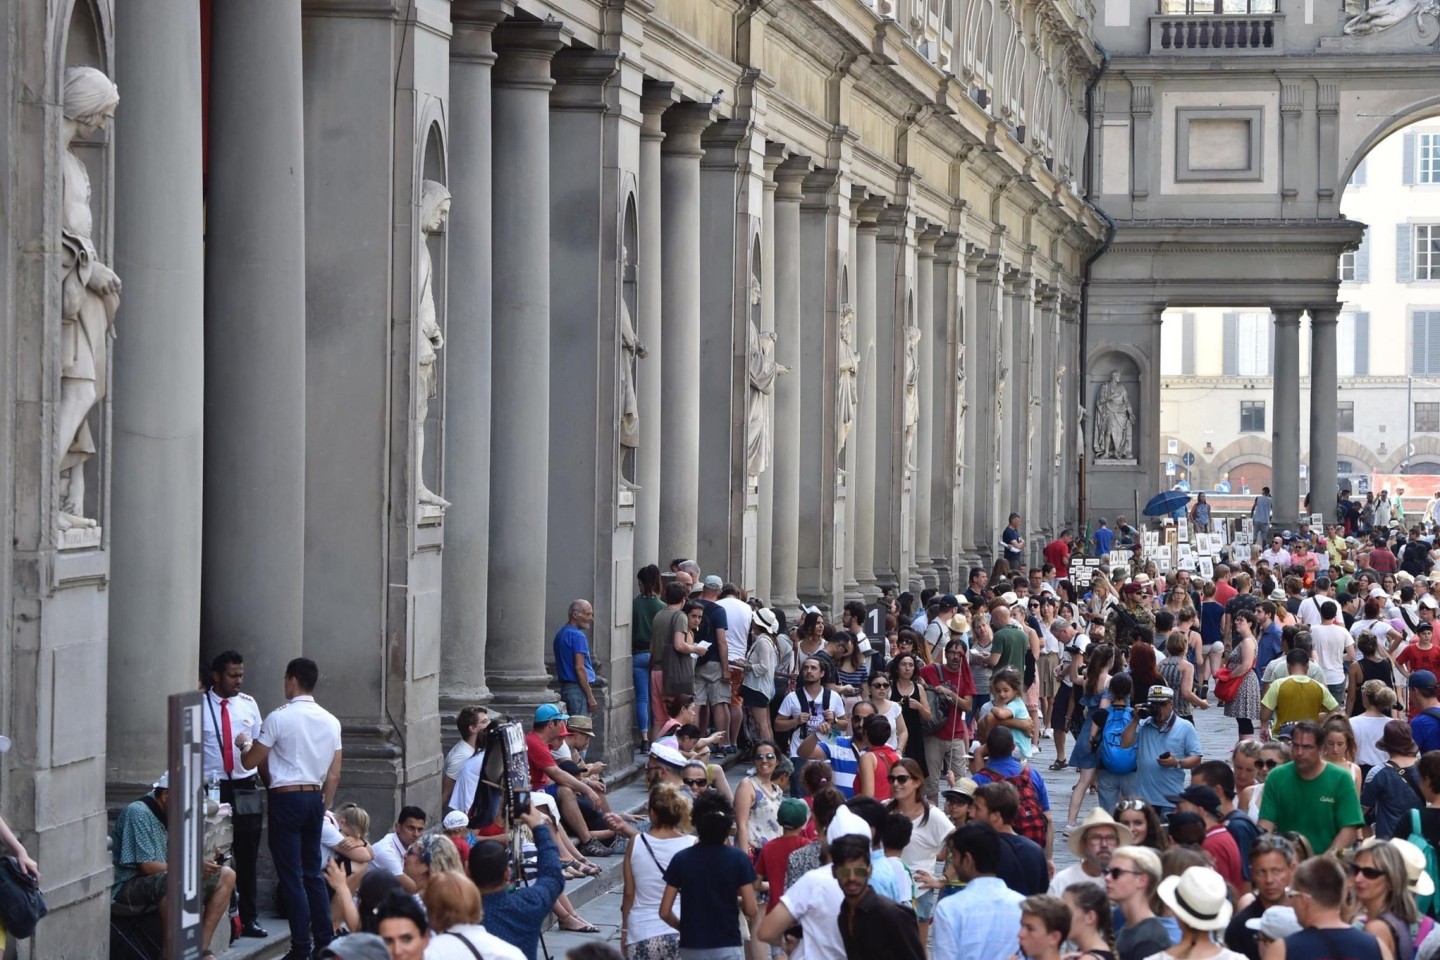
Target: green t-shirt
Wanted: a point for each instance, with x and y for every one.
(1011, 642)
(642, 615)
(1318, 809)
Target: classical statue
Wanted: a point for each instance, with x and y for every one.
(962, 406)
(912, 392)
(1114, 421)
(634, 352)
(89, 294)
(1002, 374)
(763, 373)
(847, 389)
(1059, 416)
(1384, 14)
(434, 208)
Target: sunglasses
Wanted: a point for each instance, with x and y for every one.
(852, 873)
(764, 756)
(1369, 873)
(700, 782)
(1115, 873)
(879, 686)
(1267, 764)
(899, 778)
(1133, 804)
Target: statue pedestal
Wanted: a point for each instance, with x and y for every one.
(905, 576)
(841, 495)
(429, 515)
(749, 535)
(79, 538)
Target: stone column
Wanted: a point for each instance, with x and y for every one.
(680, 317)
(1324, 387)
(852, 501)
(967, 405)
(765, 521)
(892, 295)
(657, 99)
(464, 609)
(785, 549)
(1285, 426)
(932, 339)
(253, 586)
(947, 526)
(520, 405)
(1019, 288)
(860, 453)
(158, 425)
(990, 407)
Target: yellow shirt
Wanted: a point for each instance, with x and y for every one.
(1295, 698)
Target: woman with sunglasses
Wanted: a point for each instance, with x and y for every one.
(907, 690)
(879, 690)
(1131, 884)
(1273, 860)
(1272, 755)
(757, 802)
(929, 830)
(1382, 885)
(1141, 819)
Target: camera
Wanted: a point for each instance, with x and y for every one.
(1144, 711)
(1073, 649)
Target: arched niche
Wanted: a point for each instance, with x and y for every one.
(431, 258)
(630, 338)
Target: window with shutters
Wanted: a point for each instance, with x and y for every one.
(1252, 416)
(1352, 336)
(1357, 179)
(1427, 158)
(1347, 267)
(1426, 251)
(1425, 343)
(1252, 345)
(1187, 345)
(1345, 417)
(1427, 417)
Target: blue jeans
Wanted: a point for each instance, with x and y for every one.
(640, 677)
(295, 820)
(574, 696)
(1110, 788)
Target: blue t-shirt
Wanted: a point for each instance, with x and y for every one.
(569, 641)
(709, 879)
(1212, 621)
(1008, 536)
(1270, 647)
(1010, 767)
(711, 620)
(1426, 731)
(1152, 781)
(1104, 538)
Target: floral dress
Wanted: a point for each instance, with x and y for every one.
(1246, 705)
(764, 824)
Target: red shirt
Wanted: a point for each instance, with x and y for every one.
(1222, 849)
(963, 682)
(540, 759)
(1224, 593)
(1057, 554)
(774, 858)
(1383, 561)
(1412, 658)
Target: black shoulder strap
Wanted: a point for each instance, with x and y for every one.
(478, 955)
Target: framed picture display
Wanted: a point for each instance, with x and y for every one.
(1206, 568)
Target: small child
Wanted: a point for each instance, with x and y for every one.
(895, 831)
(1007, 704)
(1044, 925)
(457, 827)
(689, 742)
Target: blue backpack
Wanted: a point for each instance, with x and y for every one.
(1114, 757)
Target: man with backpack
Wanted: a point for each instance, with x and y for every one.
(1032, 815)
(812, 708)
(945, 737)
(1424, 710)
(1167, 746)
(1023, 865)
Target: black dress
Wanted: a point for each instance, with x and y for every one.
(1371, 670)
(915, 742)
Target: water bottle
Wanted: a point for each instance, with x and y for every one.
(212, 788)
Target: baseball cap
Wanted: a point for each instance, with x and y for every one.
(1277, 923)
(793, 812)
(454, 820)
(1429, 601)
(949, 600)
(549, 711)
(1423, 680)
(356, 946)
(1160, 692)
(1201, 796)
(1424, 626)
(713, 582)
(164, 782)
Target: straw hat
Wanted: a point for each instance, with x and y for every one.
(1098, 818)
(1198, 898)
(958, 624)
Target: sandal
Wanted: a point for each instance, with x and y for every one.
(1059, 765)
(590, 869)
(585, 926)
(570, 873)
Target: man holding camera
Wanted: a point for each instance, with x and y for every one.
(1168, 746)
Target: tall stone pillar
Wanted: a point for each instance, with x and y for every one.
(859, 459)
(970, 367)
(680, 378)
(649, 328)
(893, 308)
(852, 501)
(1324, 387)
(1020, 415)
(765, 523)
(990, 407)
(932, 340)
(253, 581)
(1047, 369)
(464, 609)
(158, 422)
(785, 556)
(947, 526)
(520, 405)
(1285, 427)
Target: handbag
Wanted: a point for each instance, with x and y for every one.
(21, 905)
(1227, 685)
(939, 712)
(244, 801)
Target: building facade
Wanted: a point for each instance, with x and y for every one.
(433, 317)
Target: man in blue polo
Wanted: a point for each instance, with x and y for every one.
(1169, 746)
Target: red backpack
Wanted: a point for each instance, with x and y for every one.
(1030, 815)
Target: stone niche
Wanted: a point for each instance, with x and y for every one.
(1110, 372)
(1220, 144)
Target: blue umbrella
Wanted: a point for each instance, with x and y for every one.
(1171, 503)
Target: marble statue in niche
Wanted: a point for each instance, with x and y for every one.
(912, 393)
(1114, 421)
(434, 209)
(763, 373)
(847, 377)
(89, 294)
(1060, 416)
(634, 351)
(1384, 14)
(1002, 375)
(962, 406)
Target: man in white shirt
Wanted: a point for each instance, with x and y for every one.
(390, 849)
(737, 645)
(467, 780)
(302, 743)
(471, 722)
(1309, 611)
(1276, 555)
(1334, 649)
(229, 713)
(1093, 843)
(815, 900)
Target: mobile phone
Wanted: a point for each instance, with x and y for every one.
(1165, 755)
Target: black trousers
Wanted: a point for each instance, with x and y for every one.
(246, 849)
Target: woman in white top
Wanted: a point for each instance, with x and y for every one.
(643, 935)
(452, 906)
(879, 687)
(1272, 755)
(930, 829)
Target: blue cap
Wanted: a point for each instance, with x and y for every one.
(549, 711)
(1424, 680)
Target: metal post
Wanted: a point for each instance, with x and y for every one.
(185, 812)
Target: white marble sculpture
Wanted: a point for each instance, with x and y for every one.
(1384, 14)
(1114, 421)
(1059, 416)
(434, 208)
(847, 377)
(89, 294)
(912, 393)
(1002, 374)
(962, 406)
(763, 373)
(634, 351)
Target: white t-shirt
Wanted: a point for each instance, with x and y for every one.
(456, 758)
(892, 714)
(927, 839)
(1379, 628)
(302, 738)
(1331, 642)
(649, 876)
(1368, 731)
(1309, 611)
(390, 854)
(445, 947)
(1071, 876)
(467, 778)
(814, 901)
(790, 707)
(737, 626)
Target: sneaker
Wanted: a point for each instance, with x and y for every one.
(1068, 829)
(594, 848)
(618, 845)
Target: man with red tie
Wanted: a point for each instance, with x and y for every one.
(227, 714)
